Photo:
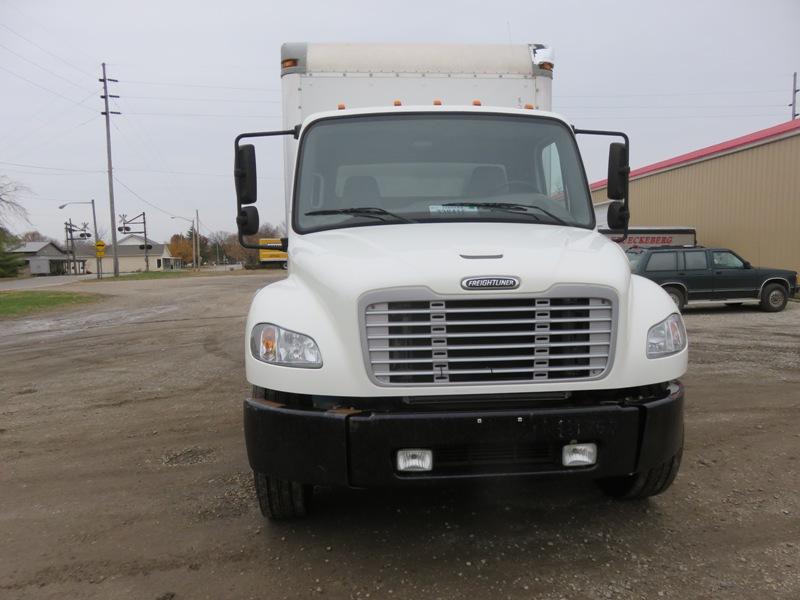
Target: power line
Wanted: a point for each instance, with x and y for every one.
(661, 106)
(720, 93)
(45, 50)
(192, 173)
(202, 85)
(29, 166)
(166, 212)
(37, 65)
(42, 123)
(18, 76)
(188, 99)
(179, 114)
(52, 138)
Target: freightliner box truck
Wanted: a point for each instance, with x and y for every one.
(450, 311)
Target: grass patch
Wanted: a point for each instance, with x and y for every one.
(144, 275)
(163, 275)
(15, 304)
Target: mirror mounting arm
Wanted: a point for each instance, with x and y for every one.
(250, 214)
(625, 170)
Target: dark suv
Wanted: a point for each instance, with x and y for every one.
(690, 274)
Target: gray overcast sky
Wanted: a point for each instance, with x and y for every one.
(675, 75)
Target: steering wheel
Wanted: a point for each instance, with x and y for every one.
(507, 185)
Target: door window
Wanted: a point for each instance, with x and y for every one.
(663, 261)
(695, 261)
(727, 260)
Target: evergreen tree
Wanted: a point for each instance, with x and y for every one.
(10, 264)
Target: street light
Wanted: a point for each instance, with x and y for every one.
(194, 239)
(99, 268)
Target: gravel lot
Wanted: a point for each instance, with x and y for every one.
(123, 475)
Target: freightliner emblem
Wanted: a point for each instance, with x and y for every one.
(490, 282)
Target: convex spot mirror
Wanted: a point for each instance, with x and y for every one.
(617, 216)
(247, 220)
(618, 169)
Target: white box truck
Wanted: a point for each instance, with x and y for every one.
(450, 311)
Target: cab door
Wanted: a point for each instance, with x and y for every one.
(731, 278)
(696, 273)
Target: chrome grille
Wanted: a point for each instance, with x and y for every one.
(468, 341)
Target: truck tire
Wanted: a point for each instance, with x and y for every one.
(677, 296)
(774, 297)
(645, 484)
(280, 499)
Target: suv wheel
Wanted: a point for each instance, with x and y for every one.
(677, 296)
(774, 297)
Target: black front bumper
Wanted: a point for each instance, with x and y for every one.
(357, 447)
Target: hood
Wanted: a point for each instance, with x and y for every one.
(440, 255)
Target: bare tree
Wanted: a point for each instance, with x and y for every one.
(9, 205)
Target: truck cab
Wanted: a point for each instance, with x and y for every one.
(450, 310)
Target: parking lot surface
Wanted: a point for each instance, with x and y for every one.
(123, 475)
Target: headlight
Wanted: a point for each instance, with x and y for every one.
(277, 346)
(667, 337)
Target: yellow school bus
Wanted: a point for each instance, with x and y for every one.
(272, 256)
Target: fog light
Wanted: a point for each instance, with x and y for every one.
(414, 459)
(579, 455)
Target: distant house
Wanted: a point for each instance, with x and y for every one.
(131, 254)
(46, 258)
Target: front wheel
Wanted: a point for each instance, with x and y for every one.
(774, 297)
(645, 484)
(677, 296)
(280, 499)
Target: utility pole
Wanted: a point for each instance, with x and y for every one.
(108, 114)
(793, 105)
(197, 237)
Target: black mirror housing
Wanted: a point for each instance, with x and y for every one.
(618, 170)
(245, 174)
(618, 216)
(247, 220)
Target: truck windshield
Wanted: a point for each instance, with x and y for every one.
(391, 169)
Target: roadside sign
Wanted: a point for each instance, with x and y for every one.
(100, 245)
(99, 254)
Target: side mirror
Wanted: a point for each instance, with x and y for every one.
(244, 172)
(618, 169)
(618, 216)
(247, 220)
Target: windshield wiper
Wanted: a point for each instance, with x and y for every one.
(374, 212)
(510, 207)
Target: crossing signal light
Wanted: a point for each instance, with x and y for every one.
(149, 246)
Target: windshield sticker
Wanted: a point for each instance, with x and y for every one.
(438, 209)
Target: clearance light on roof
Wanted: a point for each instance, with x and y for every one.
(341, 106)
(289, 63)
(398, 103)
(529, 106)
(547, 66)
(476, 103)
(437, 102)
